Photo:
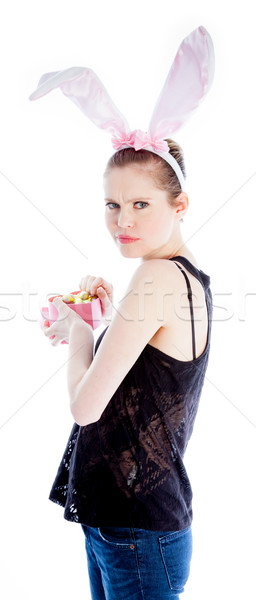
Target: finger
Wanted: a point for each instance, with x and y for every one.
(62, 308)
(103, 297)
(86, 282)
(90, 283)
(108, 289)
(49, 330)
(55, 340)
(100, 282)
(47, 333)
(83, 283)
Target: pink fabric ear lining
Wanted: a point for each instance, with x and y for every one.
(188, 81)
(84, 88)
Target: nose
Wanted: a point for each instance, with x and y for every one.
(125, 218)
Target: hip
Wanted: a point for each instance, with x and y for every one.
(140, 561)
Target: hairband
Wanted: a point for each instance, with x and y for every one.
(188, 81)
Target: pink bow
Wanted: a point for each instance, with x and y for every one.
(138, 139)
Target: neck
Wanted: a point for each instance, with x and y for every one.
(174, 247)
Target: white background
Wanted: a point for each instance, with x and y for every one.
(52, 232)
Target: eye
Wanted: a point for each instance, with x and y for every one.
(145, 204)
(111, 205)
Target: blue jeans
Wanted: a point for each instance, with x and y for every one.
(137, 564)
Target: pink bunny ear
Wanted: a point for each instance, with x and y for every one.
(85, 89)
(189, 79)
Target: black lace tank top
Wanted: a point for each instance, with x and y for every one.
(127, 470)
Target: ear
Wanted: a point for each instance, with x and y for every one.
(188, 81)
(84, 88)
(182, 205)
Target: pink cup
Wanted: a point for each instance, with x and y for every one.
(90, 312)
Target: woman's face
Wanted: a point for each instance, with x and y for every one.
(138, 215)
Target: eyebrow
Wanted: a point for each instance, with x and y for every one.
(132, 200)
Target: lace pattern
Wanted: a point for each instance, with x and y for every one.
(127, 469)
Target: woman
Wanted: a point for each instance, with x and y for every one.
(135, 398)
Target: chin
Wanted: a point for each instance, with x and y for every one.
(129, 253)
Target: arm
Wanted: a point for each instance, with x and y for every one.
(138, 317)
(70, 326)
(80, 357)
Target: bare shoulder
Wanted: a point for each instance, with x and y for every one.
(158, 271)
(174, 335)
(160, 280)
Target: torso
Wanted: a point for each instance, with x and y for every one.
(175, 337)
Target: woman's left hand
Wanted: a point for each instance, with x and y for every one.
(60, 329)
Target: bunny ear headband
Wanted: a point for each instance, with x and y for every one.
(188, 81)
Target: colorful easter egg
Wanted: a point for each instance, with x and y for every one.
(83, 295)
(68, 298)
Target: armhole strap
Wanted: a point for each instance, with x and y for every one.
(191, 310)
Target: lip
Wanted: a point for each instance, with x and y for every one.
(126, 239)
